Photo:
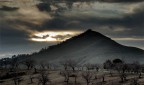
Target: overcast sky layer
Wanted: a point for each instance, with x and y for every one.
(122, 20)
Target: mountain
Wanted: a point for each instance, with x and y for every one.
(89, 47)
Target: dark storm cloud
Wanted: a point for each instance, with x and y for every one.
(12, 36)
(62, 37)
(56, 23)
(45, 36)
(6, 8)
(44, 7)
(133, 21)
(68, 4)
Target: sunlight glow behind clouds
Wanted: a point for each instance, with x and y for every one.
(51, 36)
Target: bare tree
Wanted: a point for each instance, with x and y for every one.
(80, 67)
(108, 65)
(69, 63)
(75, 78)
(17, 79)
(96, 67)
(1, 63)
(88, 66)
(134, 81)
(64, 64)
(35, 69)
(5, 62)
(31, 78)
(29, 63)
(103, 78)
(137, 68)
(14, 63)
(87, 76)
(42, 66)
(74, 75)
(66, 74)
(121, 68)
(49, 66)
(93, 67)
(43, 78)
(72, 64)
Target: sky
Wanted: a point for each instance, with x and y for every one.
(26, 26)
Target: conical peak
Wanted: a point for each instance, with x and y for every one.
(91, 32)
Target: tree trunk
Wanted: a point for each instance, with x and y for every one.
(31, 80)
(35, 70)
(140, 75)
(103, 79)
(73, 69)
(87, 83)
(75, 80)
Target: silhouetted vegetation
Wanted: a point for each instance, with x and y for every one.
(72, 72)
(87, 76)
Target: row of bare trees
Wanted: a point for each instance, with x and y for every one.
(123, 68)
(73, 65)
(72, 69)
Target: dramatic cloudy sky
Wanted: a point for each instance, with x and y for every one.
(27, 26)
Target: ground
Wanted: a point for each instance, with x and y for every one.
(57, 79)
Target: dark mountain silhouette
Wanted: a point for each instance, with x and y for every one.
(89, 47)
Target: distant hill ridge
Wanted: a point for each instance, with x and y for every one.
(89, 47)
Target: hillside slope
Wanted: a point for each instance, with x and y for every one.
(89, 47)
